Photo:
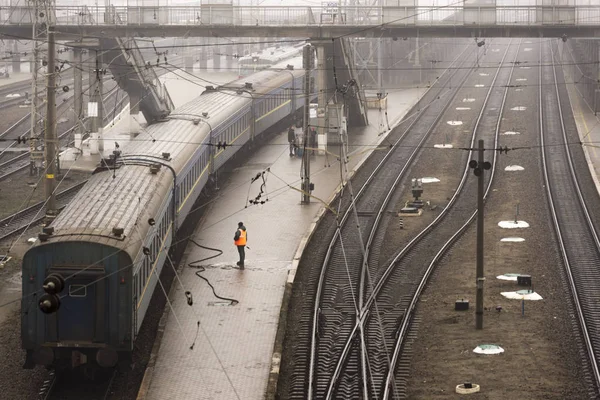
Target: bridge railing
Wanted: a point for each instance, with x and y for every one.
(312, 16)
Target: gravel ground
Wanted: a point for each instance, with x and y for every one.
(442, 354)
(533, 342)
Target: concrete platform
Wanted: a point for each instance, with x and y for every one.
(588, 127)
(232, 357)
(14, 78)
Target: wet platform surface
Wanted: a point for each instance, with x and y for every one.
(233, 346)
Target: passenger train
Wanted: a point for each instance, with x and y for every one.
(88, 280)
(266, 59)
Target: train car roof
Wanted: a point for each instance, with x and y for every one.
(128, 196)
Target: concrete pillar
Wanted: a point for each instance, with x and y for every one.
(239, 50)
(203, 55)
(16, 58)
(78, 97)
(216, 56)
(189, 63)
(228, 57)
(134, 110)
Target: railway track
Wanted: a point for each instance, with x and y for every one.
(69, 385)
(361, 318)
(575, 230)
(21, 162)
(20, 221)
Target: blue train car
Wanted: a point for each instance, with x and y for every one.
(88, 281)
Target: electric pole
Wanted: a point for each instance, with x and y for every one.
(39, 35)
(478, 168)
(50, 131)
(308, 59)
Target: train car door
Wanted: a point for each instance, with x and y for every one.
(81, 313)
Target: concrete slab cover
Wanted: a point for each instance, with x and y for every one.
(513, 224)
(514, 168)
(522, 295)
(508, 277)
(512, 239)
(429, 180)
(488, 349)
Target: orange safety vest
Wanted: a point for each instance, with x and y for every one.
(242, 240)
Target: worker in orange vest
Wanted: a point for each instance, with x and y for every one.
(240, 240)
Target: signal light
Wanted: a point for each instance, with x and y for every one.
(50, 302)
(53, 284)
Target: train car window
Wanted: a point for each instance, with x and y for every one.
(77, 290)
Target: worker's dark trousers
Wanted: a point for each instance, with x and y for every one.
(242, 254)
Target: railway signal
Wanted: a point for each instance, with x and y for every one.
(50, 302)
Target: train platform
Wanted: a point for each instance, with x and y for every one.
(588, 126)
(15, 78)
(223, 349)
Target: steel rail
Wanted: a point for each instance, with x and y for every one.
(365, 308)
(334, 240)
(23, 219)
(13, 168)
(409, 314)
(62, 386)
(559, 217)
(13, 224)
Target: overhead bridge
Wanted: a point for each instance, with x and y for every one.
(398, 18)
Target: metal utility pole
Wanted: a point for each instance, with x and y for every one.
(50, 136)
(478, 168)
(39, 36)
(95, 111)
(308, 59)
(78, 92)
